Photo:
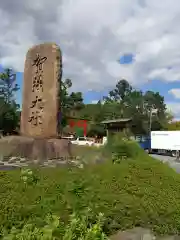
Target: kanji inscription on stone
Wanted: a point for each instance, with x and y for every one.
(36, 115)
(42, 76)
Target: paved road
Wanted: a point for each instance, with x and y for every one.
(170, 160)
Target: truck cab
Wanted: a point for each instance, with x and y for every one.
(144, 142)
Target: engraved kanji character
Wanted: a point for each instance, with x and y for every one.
(38, 102)
(38, 62)
(37, 83)
(35, 118)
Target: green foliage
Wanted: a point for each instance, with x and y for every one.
(76, 101)
(79, 227)
(122, 148)
(122, 102)
(92, 112)
(69, 102)
(173, 126)
(9, 115)
(8, 85)
(132, 101)
(96, 130)
(121, 91)
(89, 154)
(28, 176)
(64, 101)
(136, 192)
(31, 232)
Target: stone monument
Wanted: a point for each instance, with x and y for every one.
(42, 78)
(39, 117)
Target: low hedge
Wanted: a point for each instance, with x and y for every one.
(140, 192)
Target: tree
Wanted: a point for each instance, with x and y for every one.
(118, 96)
(9, 114)
(153, 100)
(70, 104)
(169, 116)
(122, 90)
(173, 126)
(75, 102)
(111, 110)
(8, 85)
(9, 117)
(63, 95)
(96, 130)
(121, 102)
(92, 112)
(134, 108)
(131, 103)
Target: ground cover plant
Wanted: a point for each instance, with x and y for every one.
(135, 191)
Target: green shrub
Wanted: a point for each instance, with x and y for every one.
(137, 192)
(28, 176)
(87, 154)
(122, 148)
(78, 227)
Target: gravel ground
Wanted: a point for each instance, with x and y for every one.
(170, 160)
(6, 168)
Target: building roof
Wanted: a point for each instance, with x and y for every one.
(119, 120)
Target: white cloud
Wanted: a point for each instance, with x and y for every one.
(93, 34)
(175, 92)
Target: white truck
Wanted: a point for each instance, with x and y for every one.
(82, 141)
(165, 142)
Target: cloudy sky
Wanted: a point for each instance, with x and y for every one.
(94, 35)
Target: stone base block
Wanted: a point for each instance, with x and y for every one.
(32, 149)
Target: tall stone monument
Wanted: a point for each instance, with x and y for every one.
(42, 78)
(39, 117)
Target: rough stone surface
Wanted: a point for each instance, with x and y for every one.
(140, 234)
(59, 162)
(134, 234)
(33, 149)
(42, 75)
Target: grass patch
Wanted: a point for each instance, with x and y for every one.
(86, 151)
(135, 192)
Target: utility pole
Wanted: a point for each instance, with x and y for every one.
(150, 120)
(151, 111)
